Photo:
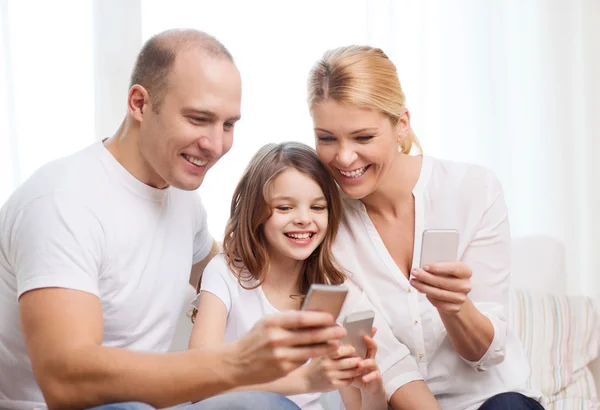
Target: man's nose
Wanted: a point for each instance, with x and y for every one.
(212, 141)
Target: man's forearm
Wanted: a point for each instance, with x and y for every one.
(99, 375)
(293, 383)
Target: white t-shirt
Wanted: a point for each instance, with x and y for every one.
(467, 198)
(245, 307)
(83, 222)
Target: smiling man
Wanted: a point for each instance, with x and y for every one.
(96, 251)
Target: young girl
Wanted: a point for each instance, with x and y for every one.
(284, 218)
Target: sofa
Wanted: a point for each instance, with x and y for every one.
(560, 332)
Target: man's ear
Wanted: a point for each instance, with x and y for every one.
(138, 101)
(403, 126)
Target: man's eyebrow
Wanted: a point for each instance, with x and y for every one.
(205, 113)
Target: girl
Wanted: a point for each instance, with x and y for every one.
(284, 218)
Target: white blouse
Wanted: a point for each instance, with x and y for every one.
(448, 195)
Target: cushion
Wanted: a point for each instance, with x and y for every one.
(561, 336)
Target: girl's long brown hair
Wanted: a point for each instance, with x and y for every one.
(245, 244)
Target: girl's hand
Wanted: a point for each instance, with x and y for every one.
(332, 372)
(446, 284)
(369, 381)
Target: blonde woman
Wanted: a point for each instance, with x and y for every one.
(452, 316)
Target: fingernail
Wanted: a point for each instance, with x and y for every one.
(426, 267)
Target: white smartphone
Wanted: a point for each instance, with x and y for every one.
(357, 325)
(325, 298)
(439, 245)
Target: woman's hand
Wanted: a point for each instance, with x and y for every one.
(446, 284)
(332, 372)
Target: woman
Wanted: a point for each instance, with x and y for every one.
(451, 315)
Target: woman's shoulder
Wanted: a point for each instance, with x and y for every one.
(461, 177)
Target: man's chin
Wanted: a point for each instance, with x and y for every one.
(187, 185)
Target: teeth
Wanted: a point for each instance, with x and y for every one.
(354, 174)
(195, 161)
(299, 235)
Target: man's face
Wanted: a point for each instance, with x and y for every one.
(194, 125)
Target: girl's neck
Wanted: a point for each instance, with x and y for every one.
(395, 190)
(284, 274)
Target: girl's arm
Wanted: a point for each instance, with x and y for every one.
(209, 330)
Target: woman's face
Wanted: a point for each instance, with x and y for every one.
(357, 145)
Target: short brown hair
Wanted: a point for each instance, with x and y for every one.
(360, 76)
(245, 244)
(155, 60)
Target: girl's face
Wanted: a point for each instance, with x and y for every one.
(298, 223)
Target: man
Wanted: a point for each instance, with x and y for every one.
(96, 251)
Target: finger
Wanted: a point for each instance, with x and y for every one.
(343, 351)
(454, 268)
(450, 283)
(330, 335)
(373, 331)
(371, 376)
(439, 294)
(343, 375)
(368, 365)
(296, 319)
(371, 347)
(301, 354)
(345, 364)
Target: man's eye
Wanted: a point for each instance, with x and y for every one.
(228, 125)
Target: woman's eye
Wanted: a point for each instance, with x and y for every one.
(325, 138)
(364, 138)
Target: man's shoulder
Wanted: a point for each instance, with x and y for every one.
(71, 173)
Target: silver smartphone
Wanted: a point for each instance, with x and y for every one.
(439, 245)
(325, 298)
(358, 325)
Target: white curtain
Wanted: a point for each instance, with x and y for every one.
(511, 85)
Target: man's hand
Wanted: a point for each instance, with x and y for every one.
(278, 344)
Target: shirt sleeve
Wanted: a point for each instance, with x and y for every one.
(488, 256)
(393, 358)
(56, 241)
(203, 240)
(216, 281)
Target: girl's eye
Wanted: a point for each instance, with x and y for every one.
(318, 208)
(284, 208)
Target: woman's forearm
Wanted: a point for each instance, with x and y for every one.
(470, 331)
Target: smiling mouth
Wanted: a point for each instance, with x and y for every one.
(194, 161)
(301, 236)
(357, 173)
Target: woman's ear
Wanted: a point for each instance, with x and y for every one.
(403, 126)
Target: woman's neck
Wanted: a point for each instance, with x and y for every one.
(395, 189)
